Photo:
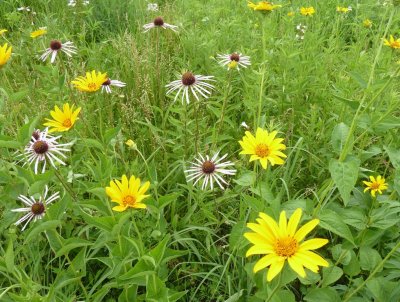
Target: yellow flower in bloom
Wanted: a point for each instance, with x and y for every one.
(367, 23)
(5, 54)
(263, 147)
(344, 10)
(291, 14)
(307, 11)
(131, 144)
(263, 6)
(395, 44)
(91, 83)
(375, 185)
(128, 194)
(281, 242)
(63, 120)
(38, 33)
(3, 31)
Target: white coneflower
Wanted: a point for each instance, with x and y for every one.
(208, 170)
(106, 85)
(43, 148)
(35, 209)
(196, 83)
(234, 60)
(159, 22)
(55, 46)
(153, 7)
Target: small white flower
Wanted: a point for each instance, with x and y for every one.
(55, 46)
(234, 60)
(71, 3)
(25, 8)
(106, 85)
(35, 208)
(153, 7)
(209, 170)
(244, 125)
(43, 148)
(159, 22)
(86, 2)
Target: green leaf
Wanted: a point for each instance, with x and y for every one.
(330, 275)
(333, 222)
(247, 179)
(394, 156)
(41, 227)
(158, 252)
(369, 258)
(235, 297)
(9, 256)
(353, 268)
(138, 274)
(341, 255)
(283, 296)
(339, 137)
(257, 204)
(70, 244)
(236, 239)
(345, 175)
(322, 294)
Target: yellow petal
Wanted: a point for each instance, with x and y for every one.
(296, 265)
(260, 249)
(313, 244)
(265, 261)
(314, 258)
(294, 222)
(119, 208)
(305, 229)
(275, 268)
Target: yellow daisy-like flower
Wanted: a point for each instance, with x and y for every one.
(281, 242)
(263, 6)
(128, 194)
(263, 147)
(3, 31)
(344, 10)
(91, 83)
(63, 120)
(5, 54)
(38, 33)
(395, 44)
(367, 23)
(375, 185)
(307, 11)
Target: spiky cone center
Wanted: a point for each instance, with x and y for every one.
(55, 45)
(188, 79)
(38, 208)
(208, 167)
(262, 150)
(107, 83)
(286, 247)
(234, 57)
(128, 201)
(158, 21)
(40, 147)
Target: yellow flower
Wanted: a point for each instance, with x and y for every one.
(291, 14)
(367, 23)
(264, 147)
(5, 54)
(40, 32)
(395, 44)
(281, 242)
(263, 6)
(63, 120)
(131, 144)
(2, 31)
(307, 11)
(344, 10)
(375, 185)
(128, 194)
(91, 83)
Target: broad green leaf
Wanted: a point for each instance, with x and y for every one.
(235, 297)
(339, 136)
(330, 275)
(70, 244)
(9, 256)
(341, 255)
(394, 156)
(257, 204)
(327, 294)
(353, 268)
(283, 296)
(158, 252)
(333, 222)
(369, 258)
(247, 179)
(41, 227)
(236, 239)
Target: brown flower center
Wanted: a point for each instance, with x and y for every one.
(106, 83)
(188, 79)
(262, 150)
(235, 57)
(40, 147)
(128, 201)
(208, 167)
(37, 208)
(67, 123)
(55, 45)
(36, 134)
(286, 247)
(158, 21)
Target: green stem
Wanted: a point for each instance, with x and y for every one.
(278, 286)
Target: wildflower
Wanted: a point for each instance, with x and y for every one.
(3, 31)
(42, 148)
(208, 170)
(106, 85)
(63, 120)
(291, 14)
(281, 242)
(375, 185)
(263, 147)
(40, 32)
(343, 10)
(91, 83)
(192, 83)
(244, 125)
(35, 208)
(128, 194)
(263, 6)
(131, 144)
(307, 11)
(55, 46)
(5, 54)
(301, 30)
(159, 22)
(152, 7)
(367, 23)
(24, 8)
(234, 60)
(395, 44)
